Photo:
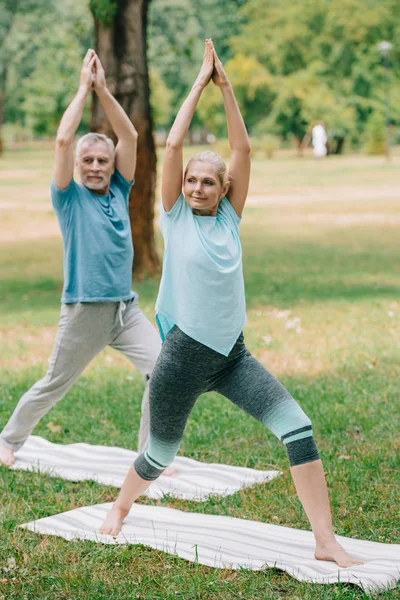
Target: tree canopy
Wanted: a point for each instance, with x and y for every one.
(291, 63)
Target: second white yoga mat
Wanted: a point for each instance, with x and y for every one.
(227, 542)
(194, 480)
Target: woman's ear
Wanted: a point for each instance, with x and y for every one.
(224, 190)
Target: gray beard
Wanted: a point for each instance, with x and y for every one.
(95, 186)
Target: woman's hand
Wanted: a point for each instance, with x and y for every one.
(219, 77)
(207, 67)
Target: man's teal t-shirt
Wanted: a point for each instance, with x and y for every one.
(98, 250)
(202, 287)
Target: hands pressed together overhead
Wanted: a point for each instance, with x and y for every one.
(211, 67)
(92, 73)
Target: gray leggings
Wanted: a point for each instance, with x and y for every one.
(186, 369)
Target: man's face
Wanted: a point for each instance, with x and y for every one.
(95, 165)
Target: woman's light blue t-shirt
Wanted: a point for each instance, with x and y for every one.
(98, 250)
(202, 287)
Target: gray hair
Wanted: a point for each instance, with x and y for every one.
(93, 138)
(214, 159)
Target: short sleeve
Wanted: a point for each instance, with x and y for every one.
(230, 213)
(122, 183)
(172, 215)
(60, 198)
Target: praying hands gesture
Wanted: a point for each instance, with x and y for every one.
(211, 68)
(98, 75)
(87, 71)
(219, 77)
(92, 75)
(207, 67)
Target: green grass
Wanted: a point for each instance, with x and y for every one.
(329, 261)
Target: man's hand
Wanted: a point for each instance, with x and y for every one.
(86, 79)
(219, 77)
(99, 76)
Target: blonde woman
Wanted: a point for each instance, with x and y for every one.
(201, 313)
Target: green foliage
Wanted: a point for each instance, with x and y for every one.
(47, 48)
(324, 61)
(291, 63)
(376, 134)
(103, 10)
(253, 88)
(176, 33)
(265, 146)
(160, 99)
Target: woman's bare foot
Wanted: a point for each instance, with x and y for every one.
(334, 552)
(6, 456)
(113, 523)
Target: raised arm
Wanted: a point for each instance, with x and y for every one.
(172, 169)
(64, 155)
(125, 152)
(239, 166)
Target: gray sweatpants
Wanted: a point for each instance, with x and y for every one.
(83, 331)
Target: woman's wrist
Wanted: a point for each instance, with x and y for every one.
(226, 85)
(198, 86)
(83, 90)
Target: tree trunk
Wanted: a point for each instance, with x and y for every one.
(122, 50)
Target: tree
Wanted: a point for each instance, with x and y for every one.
(120, 33)
(42, 53)
(321, 55)
(177, 29)
(254, 90)
(8, 12)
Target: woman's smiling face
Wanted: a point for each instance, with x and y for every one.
(202, 188)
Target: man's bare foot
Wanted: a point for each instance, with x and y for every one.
(334, 552)
(6, 456)
(170, 472)
(113, 523)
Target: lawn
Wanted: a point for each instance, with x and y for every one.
(322, 271)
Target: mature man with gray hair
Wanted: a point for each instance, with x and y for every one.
(98, 306)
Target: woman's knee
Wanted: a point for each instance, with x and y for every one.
(294, 428)
(158, 456)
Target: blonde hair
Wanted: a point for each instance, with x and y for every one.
(93, 138)
(214, 159)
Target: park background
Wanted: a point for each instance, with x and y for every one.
(321, 264)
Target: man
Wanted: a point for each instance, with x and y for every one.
(98, 306)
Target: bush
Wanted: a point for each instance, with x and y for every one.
(265, 146)
(375, 135)
(14, 132)
(222, 148)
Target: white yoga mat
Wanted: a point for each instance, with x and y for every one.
(226, 542)
(194, 480)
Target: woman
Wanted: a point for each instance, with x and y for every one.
(201, 313)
